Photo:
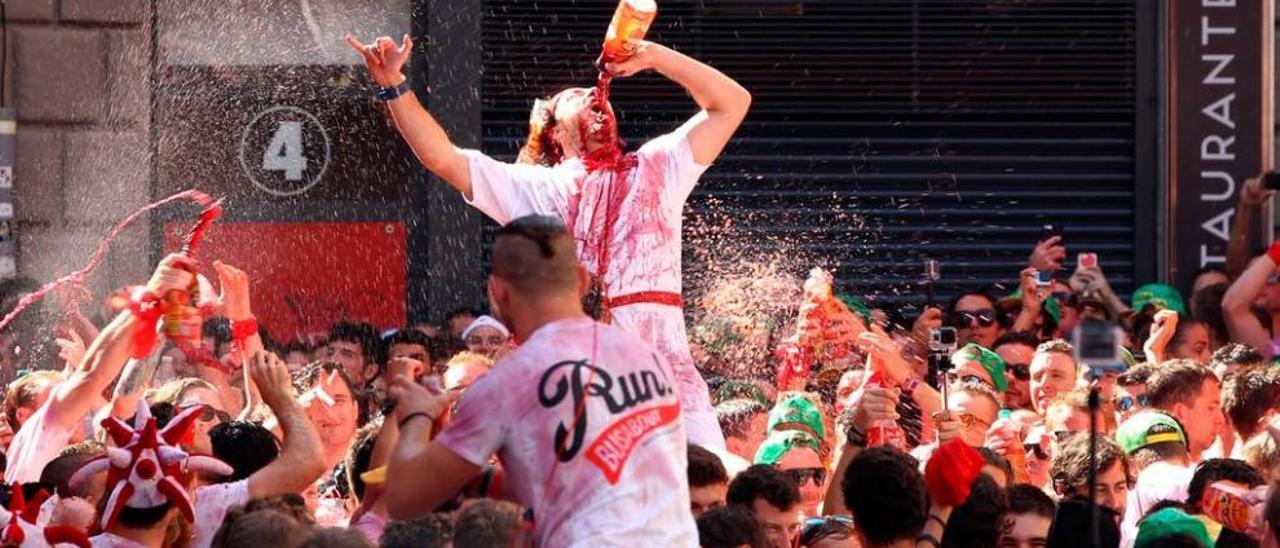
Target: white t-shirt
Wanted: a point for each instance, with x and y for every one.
(211, 505)
(37, 442)
(644, 246)
(617, 476)
(1157, 482)
(108, 540)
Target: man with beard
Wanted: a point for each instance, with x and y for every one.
(624, 209)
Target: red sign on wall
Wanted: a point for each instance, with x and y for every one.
(306, 276)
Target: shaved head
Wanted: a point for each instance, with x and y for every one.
(536, 255)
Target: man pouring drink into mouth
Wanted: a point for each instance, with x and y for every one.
(624, 210)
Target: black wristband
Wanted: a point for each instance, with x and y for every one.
(415, 415)
(855, 437)
(387, 94)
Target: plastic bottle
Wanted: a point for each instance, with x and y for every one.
(1016, 453)
(630, 24)
(884, 432)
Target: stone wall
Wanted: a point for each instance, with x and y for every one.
(78, 77)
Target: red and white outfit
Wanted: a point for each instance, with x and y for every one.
(585, 419)
(629, 233)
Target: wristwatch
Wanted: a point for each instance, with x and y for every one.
(387, 94)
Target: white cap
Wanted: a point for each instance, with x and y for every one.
(486, 321)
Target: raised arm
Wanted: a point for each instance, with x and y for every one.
(1244, 228)
(1237, 304)
(385, 61)
(723, 101)
(109, 352)
(414, 493)
(301, 460)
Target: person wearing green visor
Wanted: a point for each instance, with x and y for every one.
(798, 455)
(975, 363)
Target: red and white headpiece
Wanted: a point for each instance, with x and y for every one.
(146, 468)
(20, 527)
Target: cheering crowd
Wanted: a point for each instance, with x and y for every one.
(574, 413)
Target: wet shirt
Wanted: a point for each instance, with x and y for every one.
(586, 422)
(37, 443)
(628, 224)
(211, 505)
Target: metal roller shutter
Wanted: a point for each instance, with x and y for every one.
(882, 131)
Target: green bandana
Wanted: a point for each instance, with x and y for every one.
(782, 442)
(794, 411)
(989, 360)
(1161, 296)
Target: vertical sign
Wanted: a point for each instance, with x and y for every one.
(1220, 122)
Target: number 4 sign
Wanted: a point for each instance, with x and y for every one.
(285, 151)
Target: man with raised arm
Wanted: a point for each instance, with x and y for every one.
(54, 423)
(624, 210)
(583, 416)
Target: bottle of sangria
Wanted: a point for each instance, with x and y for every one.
(630, 24)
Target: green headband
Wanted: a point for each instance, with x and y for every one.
(782, 442)
(989, 361)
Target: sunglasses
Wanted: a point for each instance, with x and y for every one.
(209, 414)
(1020, 371)
(819, 475)
(968, 421)
(985, 317)
(1062, 436)
(1126, 402)
(1037, 450)
(976, 379)
(813, 524)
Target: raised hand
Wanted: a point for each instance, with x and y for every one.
(876, 405)
(271, 375)
(173, 272)
(234, 301)
(639, 61)
(1048, 255)
(1162, 330)
(1253, 194)
(384, 59)
(412, 398)
(72, 350)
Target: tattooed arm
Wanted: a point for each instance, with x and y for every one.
(71, 400)
(135, 379)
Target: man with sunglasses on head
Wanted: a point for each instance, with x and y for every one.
(1017, 349)
(975, 363)
(973, 314)
(974, 407)
(625, 210)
